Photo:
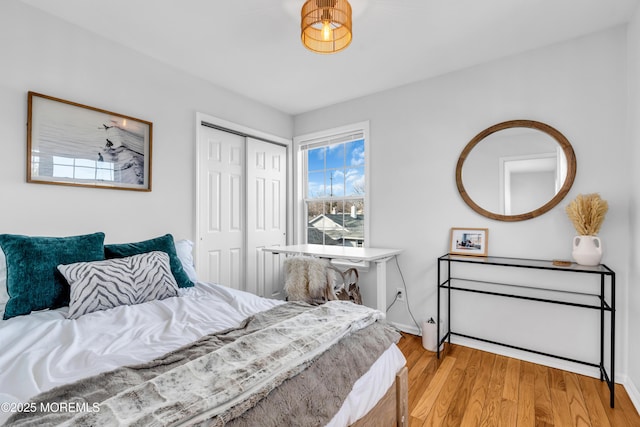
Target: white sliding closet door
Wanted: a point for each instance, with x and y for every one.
(220, 254)
(266, 216)
(242, 189)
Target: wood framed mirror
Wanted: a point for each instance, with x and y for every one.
(516, 170)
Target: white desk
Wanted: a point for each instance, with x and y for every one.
(378, 255)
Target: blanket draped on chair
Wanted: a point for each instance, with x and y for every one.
(309, 279)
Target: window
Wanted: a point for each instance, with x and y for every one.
(332, 183)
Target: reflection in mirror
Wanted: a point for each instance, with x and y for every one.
(515, 170)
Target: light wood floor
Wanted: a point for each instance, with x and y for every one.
(474, 388)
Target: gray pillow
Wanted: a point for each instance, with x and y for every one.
(101, 285)
(163, 243)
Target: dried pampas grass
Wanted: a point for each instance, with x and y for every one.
(586, 212)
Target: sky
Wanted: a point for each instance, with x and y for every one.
(336, 170)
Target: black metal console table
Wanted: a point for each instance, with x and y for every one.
(452, 283)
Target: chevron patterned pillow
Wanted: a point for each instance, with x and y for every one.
(101, 285)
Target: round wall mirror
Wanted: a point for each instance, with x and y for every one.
(516, 170)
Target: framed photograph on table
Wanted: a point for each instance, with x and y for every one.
(469, 241)
(73, 144)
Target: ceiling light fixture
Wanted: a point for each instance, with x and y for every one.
(326, 25)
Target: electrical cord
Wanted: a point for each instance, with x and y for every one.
(404, 284)
(394, 301)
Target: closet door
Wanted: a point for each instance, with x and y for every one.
(241, 208)
(266, 216)
(221, 207)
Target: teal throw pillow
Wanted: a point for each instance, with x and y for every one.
(164, 243)
(33, 280)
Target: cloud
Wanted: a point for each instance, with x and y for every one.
(354, 179)
(357, 156)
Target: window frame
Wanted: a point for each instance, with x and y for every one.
(301, 177)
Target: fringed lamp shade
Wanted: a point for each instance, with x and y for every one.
(326, 25)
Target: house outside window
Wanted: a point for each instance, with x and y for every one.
(332, 186)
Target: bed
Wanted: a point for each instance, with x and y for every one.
(49, 355)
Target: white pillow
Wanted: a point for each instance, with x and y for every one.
(101, 285)
(184, 249)
(4, 295)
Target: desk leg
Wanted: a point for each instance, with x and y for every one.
(381, 284)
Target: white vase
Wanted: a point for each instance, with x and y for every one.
(587, 250)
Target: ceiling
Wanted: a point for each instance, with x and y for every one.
(252, 47)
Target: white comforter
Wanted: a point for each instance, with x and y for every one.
(45, 349)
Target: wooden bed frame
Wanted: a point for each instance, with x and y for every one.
(393, 408)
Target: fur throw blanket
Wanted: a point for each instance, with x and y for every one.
(224, 375)
(309, 279)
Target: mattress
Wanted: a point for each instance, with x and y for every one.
(45, 349)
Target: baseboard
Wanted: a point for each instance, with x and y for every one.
(410, 329)
(633, 392)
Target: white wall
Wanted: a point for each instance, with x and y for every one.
(43, 54)
(418, 131)
(633, 295)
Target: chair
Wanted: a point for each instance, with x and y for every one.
(309, 279)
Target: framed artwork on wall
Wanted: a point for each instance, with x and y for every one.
(74, 144)
(469, 241)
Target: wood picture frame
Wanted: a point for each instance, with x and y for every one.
(74, 144)
(469, 241)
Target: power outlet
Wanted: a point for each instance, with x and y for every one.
(400, 294)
